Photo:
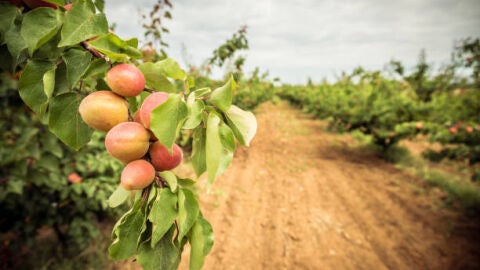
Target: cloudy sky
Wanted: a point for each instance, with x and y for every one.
(295, 40)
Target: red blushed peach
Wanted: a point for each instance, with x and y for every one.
(161, 158)
(127, 141)
(126, 80)
(138, 174)
(74, 178)
(149, 104)
(102, 110)
(453, 130)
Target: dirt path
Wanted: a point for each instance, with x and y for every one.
(301, 198)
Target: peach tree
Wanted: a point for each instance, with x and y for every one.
(77, 77)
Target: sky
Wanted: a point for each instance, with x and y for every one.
(297, 40)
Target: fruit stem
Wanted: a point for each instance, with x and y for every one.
(94, 52)
(149, 90)
(145, 193)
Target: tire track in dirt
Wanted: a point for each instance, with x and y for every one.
(301, 198)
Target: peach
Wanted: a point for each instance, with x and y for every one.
(127, 141)
(149, 104)
(126, 80)
(138, 174)
(453, 130)
(102, 110)
(161, 158)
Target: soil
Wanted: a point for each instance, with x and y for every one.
(303, 198)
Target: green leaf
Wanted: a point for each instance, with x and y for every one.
(201, 242)
(115, 48)
(220, 145)
(50, 144)
(31, 91)
(48, 162)
(65, 121)
(100, 4)
(49, 50)
(96, 68)
(15, 43)
(195, 111)
(127, 232)
(222, 96)
(167, 119)
(77, 62)
(56, 2)
(164, 256)
(81, 23)
(7, 16)
(162, 214)
(171, 180)
(49, 83)
(61, 82)
(155, 79)
(132, 42)
(243, 124)
(187, 212)
(171, 69)
(202, 92)
(40, 25)
(199, 151)
(186, 183)
(119, 196)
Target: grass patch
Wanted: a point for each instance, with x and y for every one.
(467, 194)
(458, 189)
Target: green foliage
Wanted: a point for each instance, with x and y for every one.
(64, 55)
(381, 108)
(159, 225)
(226, 52)
(468, 54)
(45, 183)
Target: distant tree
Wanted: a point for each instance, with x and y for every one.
(154, 25)
(467, 54)
(228, 51)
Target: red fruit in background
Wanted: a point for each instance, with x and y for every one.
(161, 158)
(127, 141)
(419, 125)
(149, 104)
(38, 3)
(74, 178)
(469, 129)
(126, 80)
(137, 174)
(67, 7)
(453, 130)
(102, 110)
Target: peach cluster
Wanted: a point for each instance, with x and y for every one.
(131, 142)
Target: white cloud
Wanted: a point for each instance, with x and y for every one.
(300, 39)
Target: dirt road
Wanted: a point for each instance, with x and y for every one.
(301, 198)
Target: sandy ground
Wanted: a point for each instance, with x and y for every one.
(301, 198)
